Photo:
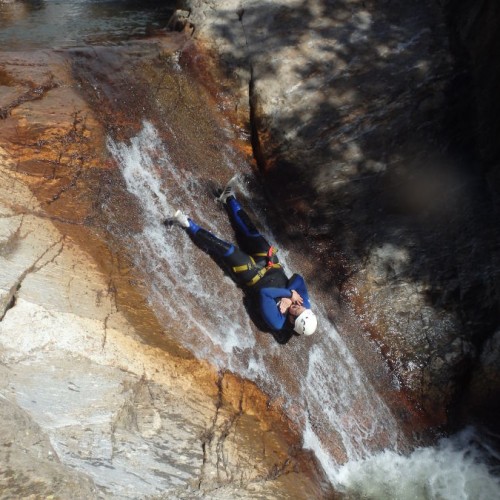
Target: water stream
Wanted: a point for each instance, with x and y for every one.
(320, 382)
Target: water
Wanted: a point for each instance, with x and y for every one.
(319, 378)
(40, 24)
(454, 469)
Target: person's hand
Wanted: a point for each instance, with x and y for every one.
(296, 298)
(284, 304)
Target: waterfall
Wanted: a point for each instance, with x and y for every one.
(317, 378)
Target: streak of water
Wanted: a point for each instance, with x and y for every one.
(169, 258)
(320, 382)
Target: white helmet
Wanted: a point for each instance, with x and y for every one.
(306, 323)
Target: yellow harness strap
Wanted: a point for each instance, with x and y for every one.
(261, 272)
(244, 267)
(258, 276)
(269, 254)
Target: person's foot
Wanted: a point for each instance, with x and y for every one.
(227, 191)
(181, 219)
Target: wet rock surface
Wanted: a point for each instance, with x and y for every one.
(97, 399)
(478, 42)
(362, 116)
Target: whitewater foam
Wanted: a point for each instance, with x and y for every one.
(454, 469)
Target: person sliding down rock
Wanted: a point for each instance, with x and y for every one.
(283, 302)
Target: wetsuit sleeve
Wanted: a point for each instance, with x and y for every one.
(298, 284)
(269, 309)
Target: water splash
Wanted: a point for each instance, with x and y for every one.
(454, 469)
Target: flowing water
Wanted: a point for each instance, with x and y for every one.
(170, 155)
(35, 24)
(317, 378)
(453, 469)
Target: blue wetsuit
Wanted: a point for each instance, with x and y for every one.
(269, 301)
(255, 268)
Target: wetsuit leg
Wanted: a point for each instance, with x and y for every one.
(208, 241)
(229, 254)
(251, 240)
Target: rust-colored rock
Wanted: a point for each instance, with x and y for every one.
(114, 403)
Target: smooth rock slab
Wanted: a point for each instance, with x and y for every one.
(128, 418)
(91, 405)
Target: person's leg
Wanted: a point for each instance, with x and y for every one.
(251, 240)
(241, 265)
(208, 241)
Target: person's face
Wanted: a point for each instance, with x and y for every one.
(294, 311)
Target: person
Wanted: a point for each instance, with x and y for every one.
(283, 302)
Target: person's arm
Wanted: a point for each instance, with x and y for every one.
(298, 284)
(269, 309)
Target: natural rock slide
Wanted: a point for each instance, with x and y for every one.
(96, 398)
(372, 125)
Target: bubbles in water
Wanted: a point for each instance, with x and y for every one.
(455, 469)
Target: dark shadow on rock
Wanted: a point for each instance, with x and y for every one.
(387, 157)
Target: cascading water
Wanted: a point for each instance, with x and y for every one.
(322, 387)
(454, 469)
(331, 391)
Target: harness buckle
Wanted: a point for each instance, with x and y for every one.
(270, 254)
